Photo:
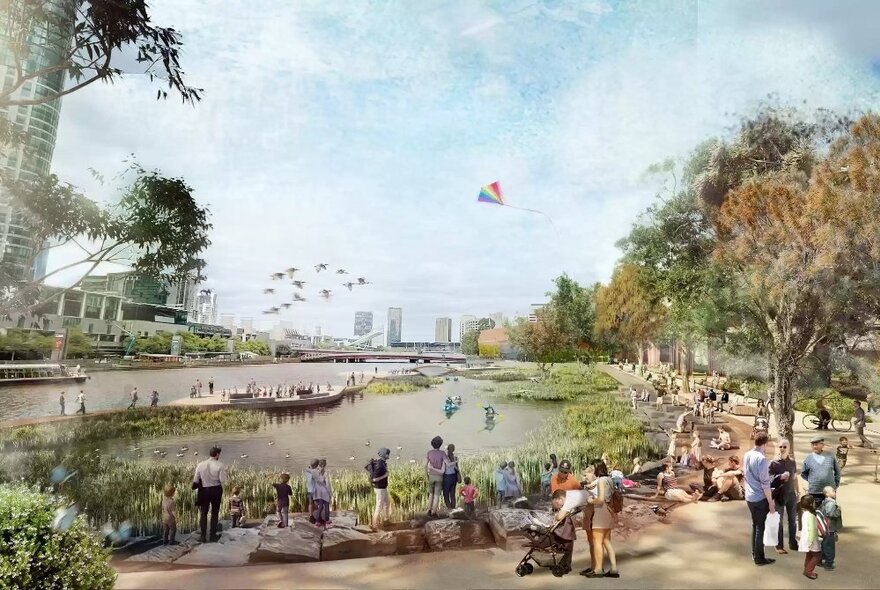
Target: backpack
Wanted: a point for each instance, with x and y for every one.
(370, 468)
(616, 501)
(821, 524)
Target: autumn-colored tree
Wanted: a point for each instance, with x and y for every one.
(545, 341)
(803, 252)
(626, 312)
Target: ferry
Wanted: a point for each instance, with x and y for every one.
(31, 373)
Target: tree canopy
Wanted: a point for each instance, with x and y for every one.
(627, 314)
(87, 39)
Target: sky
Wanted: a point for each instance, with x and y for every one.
(359, 133)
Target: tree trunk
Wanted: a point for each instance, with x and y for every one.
(783, 373)
(686, 370)
(641, 349)
(822, 352)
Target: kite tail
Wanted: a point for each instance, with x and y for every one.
(534, 211)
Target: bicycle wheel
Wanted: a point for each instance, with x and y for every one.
(811, 422)
(841, 425)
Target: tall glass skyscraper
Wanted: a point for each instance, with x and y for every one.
(39, 123)
(393, 326)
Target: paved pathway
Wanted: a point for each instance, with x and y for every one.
(701, 546)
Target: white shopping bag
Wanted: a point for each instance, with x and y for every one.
(771, 529)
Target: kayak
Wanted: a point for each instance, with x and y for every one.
(451, 408)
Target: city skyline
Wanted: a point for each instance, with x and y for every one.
(329, 141)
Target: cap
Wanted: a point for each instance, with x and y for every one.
(565, 466)
(383, 452)
(817, 439)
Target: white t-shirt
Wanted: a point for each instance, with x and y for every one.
(574, 499)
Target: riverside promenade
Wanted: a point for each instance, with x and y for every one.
(699, 546)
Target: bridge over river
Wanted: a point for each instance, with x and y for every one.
(365, 356)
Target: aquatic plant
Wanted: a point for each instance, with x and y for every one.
(139, 423)
(408, 384)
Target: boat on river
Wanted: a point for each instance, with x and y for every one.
(40, 373)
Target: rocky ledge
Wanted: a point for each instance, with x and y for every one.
(346, 539)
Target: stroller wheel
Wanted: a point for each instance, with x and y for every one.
(524, 569)
(557, 570)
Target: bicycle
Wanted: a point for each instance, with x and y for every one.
(812, 421)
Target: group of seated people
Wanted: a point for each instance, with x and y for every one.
(718, 483)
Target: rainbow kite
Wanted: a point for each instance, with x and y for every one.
(491, 193)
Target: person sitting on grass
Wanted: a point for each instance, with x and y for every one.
(722, 443)
(667, 487)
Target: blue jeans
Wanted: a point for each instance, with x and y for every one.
(759, 511)
(829, 548)
(450, 481)
(788, 507)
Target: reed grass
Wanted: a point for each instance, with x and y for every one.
(139, 423)
(114, 491)
(394, 385)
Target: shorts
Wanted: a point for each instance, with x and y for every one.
(435, 483)
(735, 492)
(603, 518)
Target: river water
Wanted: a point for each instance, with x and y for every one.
(338, 432)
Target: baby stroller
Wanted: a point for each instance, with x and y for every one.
(545, 549)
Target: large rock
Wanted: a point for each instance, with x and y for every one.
(456, 534)
(166, 553)
(298, 543)
(409, 541)
(457, 514)
(506, 525)
(233, 549)
(345, 543)
(345, 519)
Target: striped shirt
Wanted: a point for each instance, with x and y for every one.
(669, 481)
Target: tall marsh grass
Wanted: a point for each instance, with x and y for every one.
(393, 385)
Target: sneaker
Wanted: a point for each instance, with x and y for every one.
(830, 568)
(280, 525)
(781, 551)
(765, 561)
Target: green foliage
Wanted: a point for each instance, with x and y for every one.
(490, 351)
(400, 385)
(139, 423)
(840, 406)
(255, 346)
(160, 343)
(470, 343)
(36, 555)
(545, 341)
(78, 344)
(30, 344)
(565, 383)
(576, 309)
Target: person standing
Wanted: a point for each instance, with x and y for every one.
(283, 492)
(61, 403)
(435, 467)
(81, 400)
(500, 482)
(756, 470)
(810, 542)
(134, 398)
(820, 469)
(323, 494)
(211, 386)
(378, 470)
(199, 387)
(169, 516)
(859, 422)
(786, 491)
(154, 399)
(451, 477)
(209, 477)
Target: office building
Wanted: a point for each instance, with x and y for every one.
(498, 319)
(394, 326)
(443, 330)
(247, 325)
(33, 158)
(227, 320)
(205, 310)
(468, 323)
(363, 323)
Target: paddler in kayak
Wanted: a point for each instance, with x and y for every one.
(490, 412)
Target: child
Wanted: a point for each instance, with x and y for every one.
(323, 494)
(684, 458)
(501, 482)
(831, 509)
(169, 516)
(617, 478)
(469, 493)
(310, 488)
(809, 542)
(236, 507)
(545, 479)
(842, 451)
(284, 493)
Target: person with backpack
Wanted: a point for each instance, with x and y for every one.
(810, 541)
(378, 472)
(830, 510)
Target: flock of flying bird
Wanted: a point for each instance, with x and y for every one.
(300, 284)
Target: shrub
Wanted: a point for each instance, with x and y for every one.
(841, 407)
(35, 555)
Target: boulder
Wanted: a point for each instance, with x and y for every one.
(457, 514)
(343, 519)
(233, 549)
(409, 541)
(348, 543)
(166, 553)
(522, 502)
(300, 542)
(506, 525)
(455, 534)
